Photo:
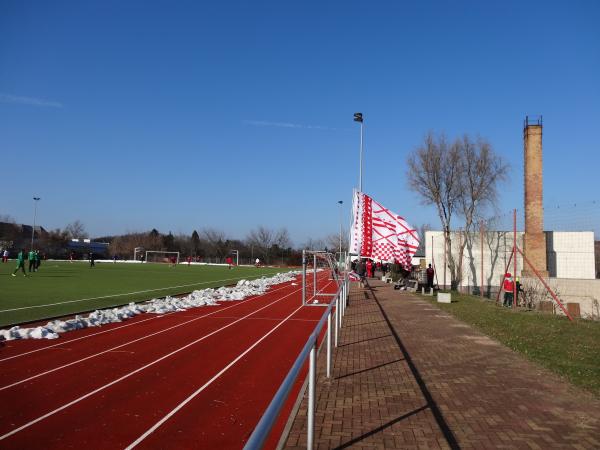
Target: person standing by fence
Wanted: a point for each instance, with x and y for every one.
(509, 287)
(430, 273)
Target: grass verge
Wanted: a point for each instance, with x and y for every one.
(572, 350)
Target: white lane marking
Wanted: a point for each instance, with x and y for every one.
(119, 327)
(114, 348)
(128, 293)
(101, 388)
(209, 382)
(51, 347)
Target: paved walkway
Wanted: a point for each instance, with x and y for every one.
(408, 375)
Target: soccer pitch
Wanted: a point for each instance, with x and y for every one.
(63, 288)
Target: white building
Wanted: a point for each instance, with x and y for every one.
(569, 255)
(570, 258)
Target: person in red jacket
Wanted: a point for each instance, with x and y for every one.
(369, 268)
(509, 287)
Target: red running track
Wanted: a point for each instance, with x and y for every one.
(201, 378)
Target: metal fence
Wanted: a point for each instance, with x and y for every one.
(334, 312)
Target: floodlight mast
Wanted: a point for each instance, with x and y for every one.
(358, 117)
(340, 202)
(35, 202)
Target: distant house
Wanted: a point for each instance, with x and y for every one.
(14, 235)
(87, 245)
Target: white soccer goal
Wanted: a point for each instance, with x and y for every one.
(318, 260)
(157, 256)
(137, 250)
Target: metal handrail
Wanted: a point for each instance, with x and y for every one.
(268, 419)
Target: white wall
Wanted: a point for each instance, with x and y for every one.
(570, 255)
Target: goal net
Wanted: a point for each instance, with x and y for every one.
(157, 256)
(312, 263)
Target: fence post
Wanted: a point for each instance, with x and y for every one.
(310, 414)
(315, 275)
(343, 307)
(303, 277)
(337, 307)
(329, 345)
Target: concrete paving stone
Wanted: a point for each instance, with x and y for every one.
(406, 375)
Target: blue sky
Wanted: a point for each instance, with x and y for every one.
(184, 115)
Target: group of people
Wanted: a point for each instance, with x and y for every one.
(33, 256)
(511, 286)
(366, 269)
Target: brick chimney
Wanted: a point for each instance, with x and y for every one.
(534, 245)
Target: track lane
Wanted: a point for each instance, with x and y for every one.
(75, 384)
(224, 417)
(77, 349)
(120, 360)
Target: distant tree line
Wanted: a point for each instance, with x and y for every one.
(272, 246)
(213, 245)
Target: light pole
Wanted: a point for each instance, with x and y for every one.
(340, 202)
(35, 200)
(358, 117)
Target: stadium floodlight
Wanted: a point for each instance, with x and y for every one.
(358, 117)
(35, 202)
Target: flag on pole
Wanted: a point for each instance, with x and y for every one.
(379, 233)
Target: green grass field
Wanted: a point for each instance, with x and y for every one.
(571, 350)
(76, 287)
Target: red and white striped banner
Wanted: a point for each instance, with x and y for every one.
(379, 233)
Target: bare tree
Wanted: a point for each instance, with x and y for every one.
(332, 241)
(481, 171)
(433, 173)
(216, 241)
(282, 238)
(263, 239)
(76, 230)
(459, 178)
(315, 244)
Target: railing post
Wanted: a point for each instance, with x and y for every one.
(310, 432)
(303, 277)
(337, 313)
(315, 275)
(329, 345)
(343, 308)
